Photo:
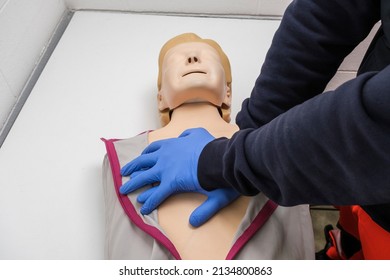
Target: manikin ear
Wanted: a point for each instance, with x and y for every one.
(161, 102)
(227, 101)
(163, 109)
(226, 105)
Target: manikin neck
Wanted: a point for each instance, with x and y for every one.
(193, 115)
(201, 114)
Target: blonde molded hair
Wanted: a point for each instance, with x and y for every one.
(190, 38)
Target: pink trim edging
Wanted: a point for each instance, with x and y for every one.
(128, 206)
(256, 224)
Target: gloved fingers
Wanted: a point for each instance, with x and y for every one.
(203, 213)
(143, 179)
(197, 132)
(146, 194)
(225, 195)
(160, 193)
(190, 131)
(141, 162)
(154, 146)
(216, 200)
(185, 133)
(136, 173)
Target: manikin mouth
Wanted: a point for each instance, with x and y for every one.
(193, 72)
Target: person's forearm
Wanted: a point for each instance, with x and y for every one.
(311, 42)
(333, 149)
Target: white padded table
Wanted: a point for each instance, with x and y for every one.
(99, 82)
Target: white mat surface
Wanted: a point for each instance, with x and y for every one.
(99, 82)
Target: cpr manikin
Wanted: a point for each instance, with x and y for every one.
(194, 90)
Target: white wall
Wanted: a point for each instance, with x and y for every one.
(25, 28)
(97, 83)
(27, 25)
(350, 65)
(224, 7)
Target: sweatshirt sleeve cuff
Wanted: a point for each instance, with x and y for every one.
(210, 165)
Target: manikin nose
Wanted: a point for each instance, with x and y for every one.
(193, 59)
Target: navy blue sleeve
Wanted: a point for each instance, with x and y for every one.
(297, 145)
(331, 149)
(313, 39)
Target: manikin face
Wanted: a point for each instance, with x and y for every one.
(192, 72)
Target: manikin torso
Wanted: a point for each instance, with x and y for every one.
(194, 84)
(213, 239)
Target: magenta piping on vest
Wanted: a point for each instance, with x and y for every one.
(128, 206)
(256, 224)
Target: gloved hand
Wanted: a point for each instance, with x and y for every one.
(171, 162)
(216, 200)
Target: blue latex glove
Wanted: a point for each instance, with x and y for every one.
(216, 200)
(173, 163)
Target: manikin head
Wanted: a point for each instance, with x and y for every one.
(192, 69)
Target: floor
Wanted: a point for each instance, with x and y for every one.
(96, 84)
(322, 215)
